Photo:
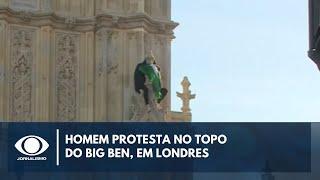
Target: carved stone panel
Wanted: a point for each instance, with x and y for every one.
(21, 60)
(67, 58)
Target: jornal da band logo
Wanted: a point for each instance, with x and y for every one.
(32, 146)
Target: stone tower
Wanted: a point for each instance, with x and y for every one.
(74, 60)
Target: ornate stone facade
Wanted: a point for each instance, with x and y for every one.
(66, 76)
(72, 60)
(21, 69)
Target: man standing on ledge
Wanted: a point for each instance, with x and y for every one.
(149, 72)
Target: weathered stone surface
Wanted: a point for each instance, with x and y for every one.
(22, 42)
(67, 76)
(74, 60)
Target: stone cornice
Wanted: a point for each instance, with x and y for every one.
(84, 24)
(136, 21)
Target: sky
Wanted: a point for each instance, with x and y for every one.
(246, 60)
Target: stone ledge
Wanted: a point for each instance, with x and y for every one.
(84, 24)
(174, 116)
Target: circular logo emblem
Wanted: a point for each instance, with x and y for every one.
(31, 145)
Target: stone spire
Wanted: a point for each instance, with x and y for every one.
(186, 95)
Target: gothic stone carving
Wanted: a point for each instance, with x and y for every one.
(21, 58)
(186, 95)
(66, 76)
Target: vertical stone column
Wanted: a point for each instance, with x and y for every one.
(159, 47)
(167, 66)
(42, 98)
(140, 6)
(90, 77)
(3, 58)
(134, 54)
(114, 68)
(101, 98)
(109, 76)
(82, 78)
(86, 76)
(168, 11)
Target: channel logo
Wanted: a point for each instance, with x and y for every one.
(31, 146)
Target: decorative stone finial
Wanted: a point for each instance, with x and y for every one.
(186, 95)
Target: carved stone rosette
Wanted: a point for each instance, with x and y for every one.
(66, 76)
(21, 43)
